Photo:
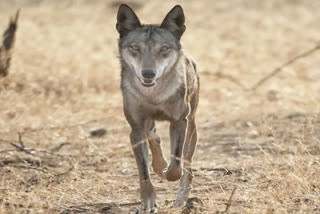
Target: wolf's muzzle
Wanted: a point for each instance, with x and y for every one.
(148, 73)
(148, 77)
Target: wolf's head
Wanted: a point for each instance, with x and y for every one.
(7, 46)
(149, 50)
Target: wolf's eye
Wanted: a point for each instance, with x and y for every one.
(134, 47)
(164, 48)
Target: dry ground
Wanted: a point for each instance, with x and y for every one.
(64, 83)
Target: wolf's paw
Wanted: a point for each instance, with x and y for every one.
(159, 166)
(179, 203)
(193, 205)
(147, 207)
(173, 173)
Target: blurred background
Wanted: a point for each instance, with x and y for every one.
(64, 82)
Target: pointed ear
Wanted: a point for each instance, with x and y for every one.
(127, 20)
(174, 22)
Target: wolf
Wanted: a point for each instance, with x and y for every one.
(159, 82)
(6, 48)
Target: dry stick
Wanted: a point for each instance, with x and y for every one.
(230, 78)
(279, 69)
(30, 130)
(58, 147)
(220, 74)
(8, 150)
(230, 200)
(21, 147)
(20, 139)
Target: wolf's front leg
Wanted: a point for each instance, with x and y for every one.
(140, 149)
(178, 132)
(159, 162)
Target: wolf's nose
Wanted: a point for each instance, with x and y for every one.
(148, 73)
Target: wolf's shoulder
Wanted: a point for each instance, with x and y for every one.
(190, 62)
(192, 77)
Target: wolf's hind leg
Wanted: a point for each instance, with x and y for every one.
(188, 151)
(159, 162)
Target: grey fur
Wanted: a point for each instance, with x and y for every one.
(173, 97)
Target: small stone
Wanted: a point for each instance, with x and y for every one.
(98, 132)
(253, 134)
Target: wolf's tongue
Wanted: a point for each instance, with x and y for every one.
(147, 80)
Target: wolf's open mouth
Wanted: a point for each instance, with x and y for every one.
(148, 82)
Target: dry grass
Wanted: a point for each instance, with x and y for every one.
(64, 82)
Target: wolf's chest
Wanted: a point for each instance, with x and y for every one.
(170, 111)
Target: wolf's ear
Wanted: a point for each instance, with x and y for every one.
(174, 22)
(127, 20)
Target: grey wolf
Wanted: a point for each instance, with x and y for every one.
(6, 48)
(159, 82)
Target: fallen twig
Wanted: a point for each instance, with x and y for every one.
(20, 139)
(230, 200)
(279, 69)
(8, 150)
(230, 78)
(32, 130)
(22, 147)
(58, 147)
(220, 74)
